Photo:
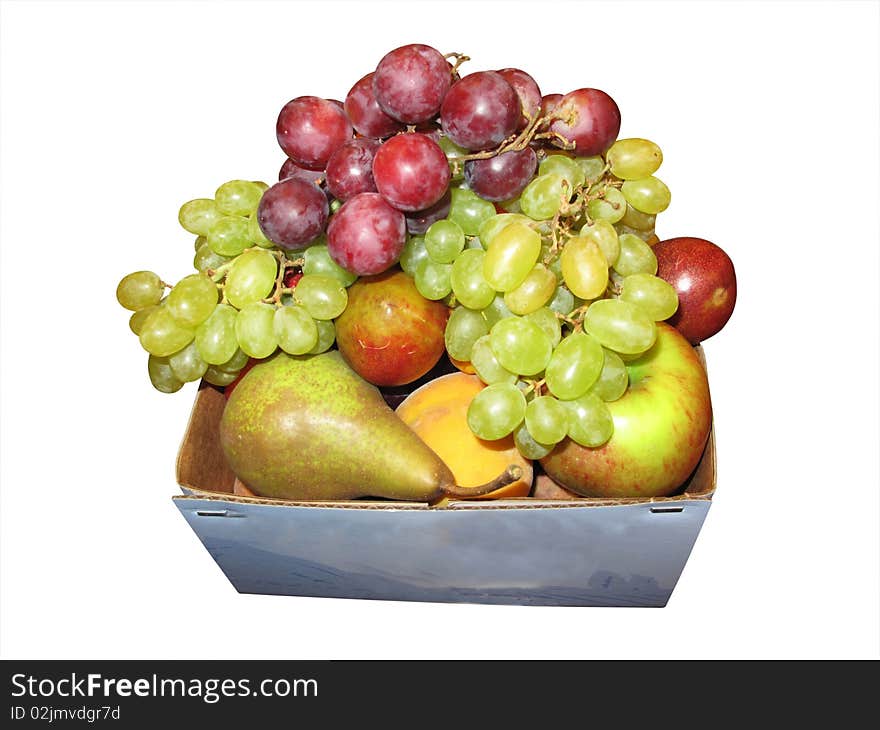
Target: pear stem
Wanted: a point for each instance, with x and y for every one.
(511, 474)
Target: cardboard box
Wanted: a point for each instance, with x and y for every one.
(567, 552)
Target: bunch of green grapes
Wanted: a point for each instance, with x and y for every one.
(247, 298)
(551, 298)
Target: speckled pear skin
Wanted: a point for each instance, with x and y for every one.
(310, 428)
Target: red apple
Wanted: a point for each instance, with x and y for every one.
(389, 333)
(703, 275)
(661, 425)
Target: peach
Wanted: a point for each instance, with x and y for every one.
(437, 412)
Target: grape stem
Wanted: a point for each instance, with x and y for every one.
(460, 58)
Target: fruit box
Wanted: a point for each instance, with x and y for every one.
(556, 552)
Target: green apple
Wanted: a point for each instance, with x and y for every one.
(661, 425)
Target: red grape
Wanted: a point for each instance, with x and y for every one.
(527, 90)
(503, 176)
(589, 118)
(411, 171)
(366, 235)
(350, 168)
(291, 169)
(480, 111)
(292, 277)
(293, 212)
(419, 221)
(411, 81)
(549, 102)
(365, 113)
(310, 129)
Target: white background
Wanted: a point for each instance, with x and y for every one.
(113, 114)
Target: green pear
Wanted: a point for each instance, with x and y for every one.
(310, 428)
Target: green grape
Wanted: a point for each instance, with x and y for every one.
(620, 326)
(496, 310)
(584, 268)
(187, 364)
(647, 194)
(140, 289)
(229, 236)
(547, 420)
(496, 411)
(192, 300)
(199, 216)
(655, 295)
(317, 260)
(467, 281)
(326, 336)
(631, 159)
(261, 185)
(603, 233)
(472, 242)
(492, 226)
(162, 376)
(234, 363)
(137, 319)
(413, 255)
(444, 240)
(221, 378)
(511, 256)
(562, 300)
(464, 327)
(469, 210)
(593, 167)
(255, 234)
(520, 345)
(589, 421)
(255, 330)
(205, 259)
(200, 241)
(324, 297)
(215, 337)
(613, 379)
(162, 335)
(565, 167)
(637, 220)
(543, 197)
(527, 445)
(574, 366)
(547, 320)
(489, 370)
(636, 256)
(611, 207)
(433, 280)
(533, 292)
(251, 278)
(238, 197)
(453, 152)
(295, 330)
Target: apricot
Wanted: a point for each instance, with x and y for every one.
(437, 412)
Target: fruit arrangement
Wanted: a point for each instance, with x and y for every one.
(434, 217)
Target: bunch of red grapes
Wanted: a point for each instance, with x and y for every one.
(385, 151)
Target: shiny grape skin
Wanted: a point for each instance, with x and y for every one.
(411, 171)
(419, 221)
(411, 81)
(310, 129)
(527, 90)
(480, 111)
(293, 212)
(503, 176)
(366, 235)
(350, 168)
(291, 169)
(590, 119)
(365, 114)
